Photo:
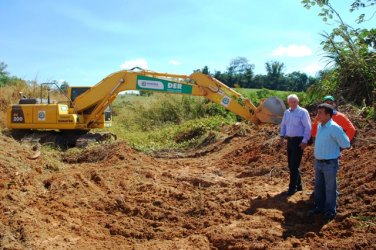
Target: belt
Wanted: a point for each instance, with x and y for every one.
(326, 160)
(293, 137)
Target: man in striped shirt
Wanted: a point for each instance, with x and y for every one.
(329, 141)
(296, 128)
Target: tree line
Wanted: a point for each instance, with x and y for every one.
(240, 73)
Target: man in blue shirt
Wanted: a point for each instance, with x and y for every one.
(296, 127)
(329, 141)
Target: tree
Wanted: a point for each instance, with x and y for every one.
(275, 77)
(5, 79)
(246, 80)
(351, 52)
(204, 70)
(64, 86)
(4, 75)
(260, 81)
(296, 81)
(239, 65)
(240, 72)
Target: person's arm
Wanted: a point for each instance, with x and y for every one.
(314, 126)
(342, 139)
(347, 126)
(306, 121)
(283, 125)
(282, 133)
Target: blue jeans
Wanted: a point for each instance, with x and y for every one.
(326, 190)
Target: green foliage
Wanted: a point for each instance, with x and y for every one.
(64, 86)
(164, 121)
(5, 79)
(370, 112)
(328, 12)
(240, 74)
(255, 95)
(185, 135)
(297, 81)
(275, 76)
(351, 52)
(148, 113)
(3, 74)
(326, 85)
(354, 62)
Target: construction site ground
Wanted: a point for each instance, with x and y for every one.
(226, 195)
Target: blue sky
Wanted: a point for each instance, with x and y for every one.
(83, 41)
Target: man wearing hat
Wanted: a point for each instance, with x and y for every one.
(338, 117)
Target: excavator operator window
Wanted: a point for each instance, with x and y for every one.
(76, 91)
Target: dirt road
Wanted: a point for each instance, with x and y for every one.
(228, 195)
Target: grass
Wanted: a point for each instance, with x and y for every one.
(185, 135)
(164, 121)
(365, 221)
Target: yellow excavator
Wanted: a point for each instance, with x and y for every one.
(69, 122)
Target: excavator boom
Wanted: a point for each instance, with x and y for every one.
(102, 95)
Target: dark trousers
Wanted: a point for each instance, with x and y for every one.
(294, 157)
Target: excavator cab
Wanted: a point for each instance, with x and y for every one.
(74, 92)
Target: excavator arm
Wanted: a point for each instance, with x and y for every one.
(100, 96)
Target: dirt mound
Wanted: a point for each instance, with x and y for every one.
(97, 153)
(14, 158)
(228, 195)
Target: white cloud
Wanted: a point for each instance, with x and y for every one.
(140, 62)
(174, 62)
(292, 50)
(313, 68)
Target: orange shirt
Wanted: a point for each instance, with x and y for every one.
(341, 120)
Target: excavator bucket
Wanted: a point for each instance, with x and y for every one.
(270, 110)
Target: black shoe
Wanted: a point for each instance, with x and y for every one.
(290, 192)
(329, 216)
(314, 211)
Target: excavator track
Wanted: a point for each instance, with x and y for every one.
(64, 139)
(90, 138)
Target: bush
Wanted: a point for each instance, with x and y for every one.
(149, 113)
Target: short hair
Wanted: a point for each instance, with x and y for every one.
(293, 96)
(327, 107)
